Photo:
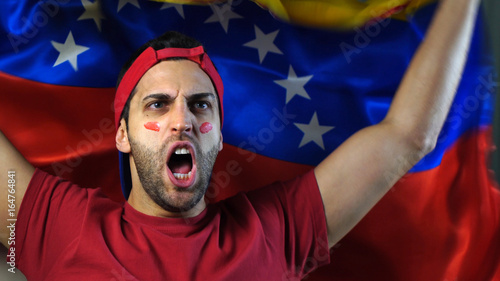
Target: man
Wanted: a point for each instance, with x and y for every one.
(169, 114)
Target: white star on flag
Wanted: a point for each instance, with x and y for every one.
(68, 51)
(264, 43)
(92, 11)
(223, 14)
(178, 8)
(313, 132)
(122, 3)
(294, 85)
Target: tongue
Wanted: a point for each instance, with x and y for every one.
(181, 168)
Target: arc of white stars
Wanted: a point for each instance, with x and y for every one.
(294, 85)
(122, 3)
(264, 43)
(93, 11)
(223, 14)
(178, 8)
(68, 51)
(313, 132)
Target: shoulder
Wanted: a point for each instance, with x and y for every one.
(48, 192)
(272, 199)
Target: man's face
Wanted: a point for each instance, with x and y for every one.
(171, 167)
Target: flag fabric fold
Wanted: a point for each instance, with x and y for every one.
(292, 95)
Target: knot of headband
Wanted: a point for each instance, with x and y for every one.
(149, 58)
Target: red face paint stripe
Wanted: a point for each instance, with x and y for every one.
(206, 127)
(153, 126)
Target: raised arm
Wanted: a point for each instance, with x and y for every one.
(354, 177)
(13, 167)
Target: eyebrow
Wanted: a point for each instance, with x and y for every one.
(200, 96)
(157, 97)
(165, 97)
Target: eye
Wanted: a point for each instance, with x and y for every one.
(201, 105)
(156, 105)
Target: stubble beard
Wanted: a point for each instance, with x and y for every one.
(151, 165)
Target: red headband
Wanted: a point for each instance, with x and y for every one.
(149, 58)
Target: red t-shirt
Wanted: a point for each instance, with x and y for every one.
(65, 232)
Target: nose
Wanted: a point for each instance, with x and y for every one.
(180, 117)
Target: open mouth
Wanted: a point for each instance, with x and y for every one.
(181, 164)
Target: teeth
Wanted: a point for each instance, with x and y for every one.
(180, 176)
(181, 151)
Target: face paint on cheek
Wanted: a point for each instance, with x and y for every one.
(206, 127)
(153, 126)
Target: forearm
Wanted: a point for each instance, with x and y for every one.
(361, 170)
(425, 95)
(15, 168)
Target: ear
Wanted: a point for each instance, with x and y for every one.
(121, 138)
(220, 142)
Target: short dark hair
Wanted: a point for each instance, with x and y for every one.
(170, 39)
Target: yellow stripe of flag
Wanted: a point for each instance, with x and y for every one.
(340, 14)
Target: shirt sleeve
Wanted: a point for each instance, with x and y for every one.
(295, 210)
(50, 218)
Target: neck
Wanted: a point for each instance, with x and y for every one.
(144, 204)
